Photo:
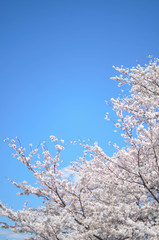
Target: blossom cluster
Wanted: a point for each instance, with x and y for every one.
(113, 198)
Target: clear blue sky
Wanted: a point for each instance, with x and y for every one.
(56, 61)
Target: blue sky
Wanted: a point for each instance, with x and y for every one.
(56, 61)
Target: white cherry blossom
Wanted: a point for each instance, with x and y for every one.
(110, 198)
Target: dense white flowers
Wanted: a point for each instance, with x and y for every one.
(103, 198)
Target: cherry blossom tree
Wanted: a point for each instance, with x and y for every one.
(109, 198)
